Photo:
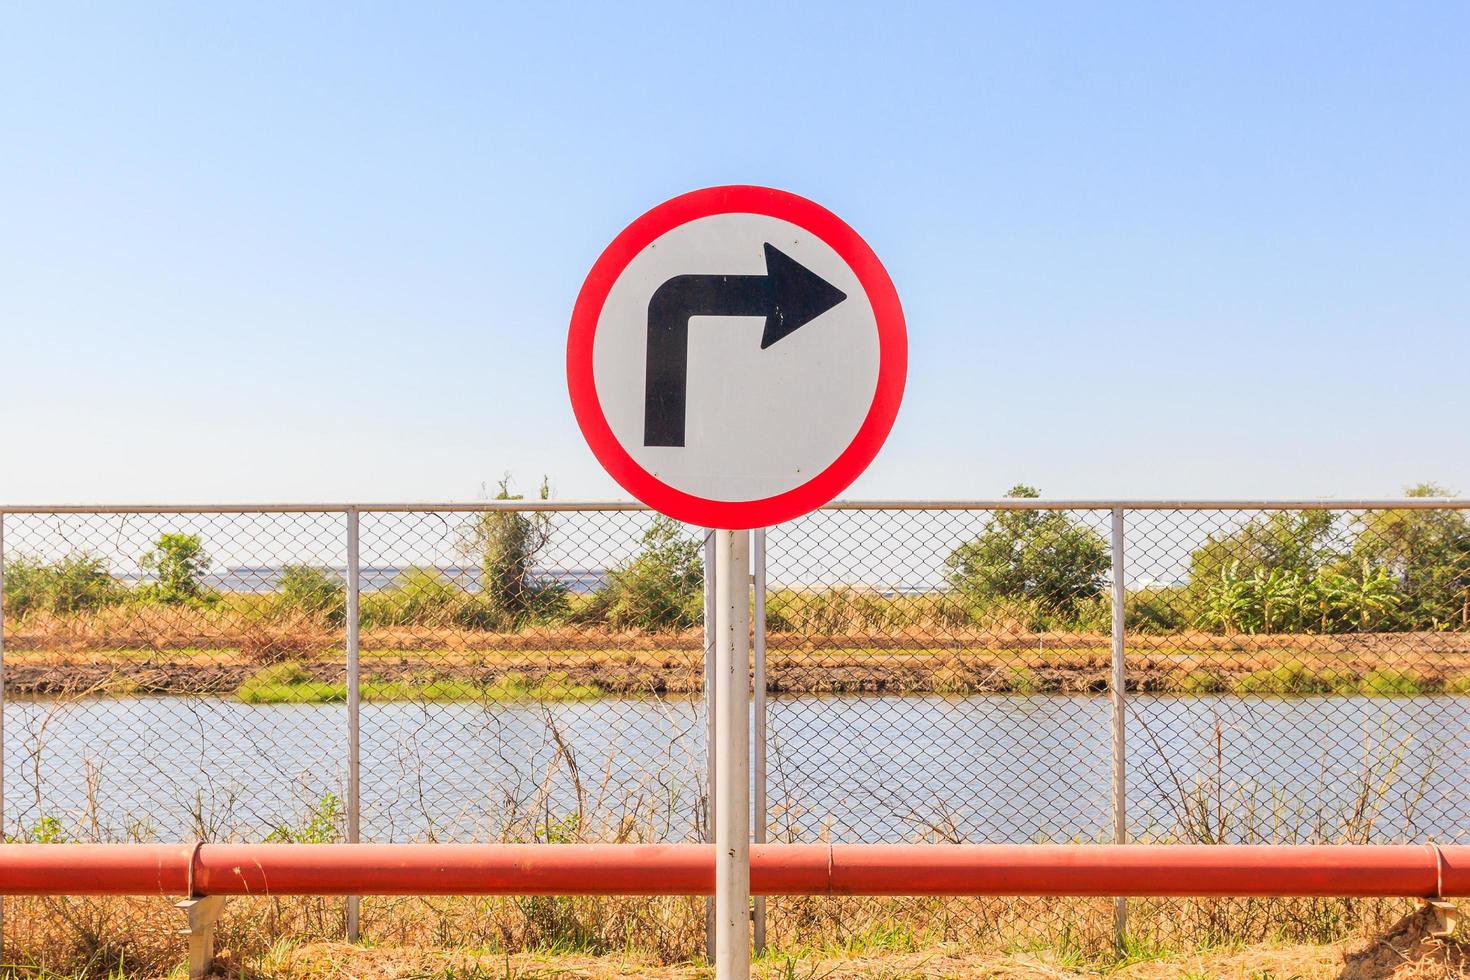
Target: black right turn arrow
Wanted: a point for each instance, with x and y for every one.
(789, 296)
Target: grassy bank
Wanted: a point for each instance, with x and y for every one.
(292, 683)
(568, 674)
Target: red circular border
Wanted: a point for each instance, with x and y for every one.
(892, 357)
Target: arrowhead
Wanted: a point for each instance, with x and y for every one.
(799, 296)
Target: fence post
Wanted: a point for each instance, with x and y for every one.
(354, 703)
(709, 726)
(1118, 691)
(758, 626)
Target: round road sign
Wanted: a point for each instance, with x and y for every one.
(736, 357)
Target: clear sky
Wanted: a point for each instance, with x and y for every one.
(303, 251)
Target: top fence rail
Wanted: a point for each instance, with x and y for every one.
(1003, 503)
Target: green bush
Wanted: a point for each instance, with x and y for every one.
(660, 589)
(423, 597)
(323, 825)
(1156, 609)
(507, 544)
(1275, 601)
(76, 583)
(314, 591)
(177, 563)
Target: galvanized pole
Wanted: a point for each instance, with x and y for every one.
(758, 635)
(732, 755)
(709, 725)
(1118, 690)
(354, 705)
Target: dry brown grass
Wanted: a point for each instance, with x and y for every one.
(904, 624)
(339, 960)
(620, 937)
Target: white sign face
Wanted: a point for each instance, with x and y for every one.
(757, 423)
(736, 357)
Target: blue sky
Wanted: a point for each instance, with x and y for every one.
(287, 252)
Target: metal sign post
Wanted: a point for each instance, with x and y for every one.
(736, 358)
(710, 598)
(732, 754)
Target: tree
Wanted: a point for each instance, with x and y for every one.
(1286, 541)
(1428, 552)
(177, 563)
(1370, 596)
(507, 543)
(1040, 556)
(662, 587)
(75, 583)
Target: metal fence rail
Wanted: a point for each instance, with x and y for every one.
(1010, 670)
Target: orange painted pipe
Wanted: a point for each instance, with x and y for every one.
(1422, 870)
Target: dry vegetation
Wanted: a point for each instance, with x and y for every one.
(181, 649)
(624, 937)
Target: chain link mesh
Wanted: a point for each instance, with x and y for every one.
(132, 642)
(908, 706)
(933, 674)
(1299, 676)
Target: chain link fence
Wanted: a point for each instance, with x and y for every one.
(1292, 672)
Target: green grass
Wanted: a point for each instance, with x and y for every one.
(1024, 681)
(1203, 682)
(1393, 683)
(1296, 678)
(291, 683)
(1459, 684)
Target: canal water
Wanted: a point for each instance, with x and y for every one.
(987, 768)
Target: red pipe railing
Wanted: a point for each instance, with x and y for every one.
(1410, 870)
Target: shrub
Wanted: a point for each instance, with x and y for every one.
(323, 825)
(1156, 609)
(271, 645)
(507, 544)
(422, 597)
(76, 583)
(177, 563)
(1278, 601)
(49, 829)
(660, 589)
(314, 591)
